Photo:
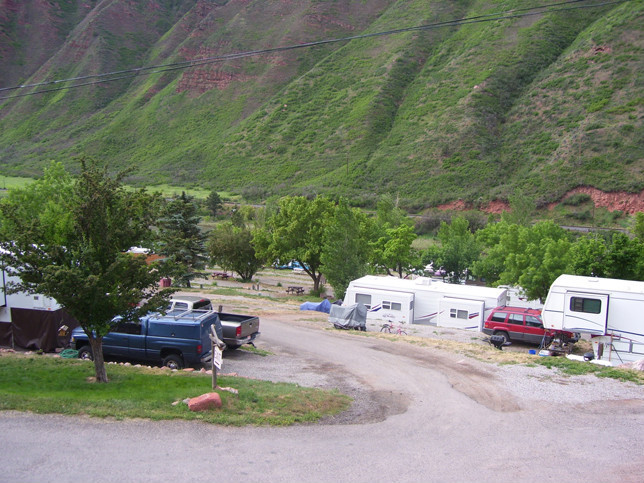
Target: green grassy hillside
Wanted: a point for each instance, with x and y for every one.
(543, 103)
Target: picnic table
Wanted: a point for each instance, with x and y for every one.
(222, 275)
(295, 290)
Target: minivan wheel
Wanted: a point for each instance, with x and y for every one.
(173, 361)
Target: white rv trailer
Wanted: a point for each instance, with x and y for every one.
(611, 310)
(21, 300)
(424, 301)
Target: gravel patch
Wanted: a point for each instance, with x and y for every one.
(531, 384)
(540, 384)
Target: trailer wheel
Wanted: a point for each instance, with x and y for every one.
(173, 361)
(85, 353)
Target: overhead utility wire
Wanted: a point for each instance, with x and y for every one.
(128, 73)
(255, 52)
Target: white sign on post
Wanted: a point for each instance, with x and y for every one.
(217, 357)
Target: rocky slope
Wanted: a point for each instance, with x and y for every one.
(538, 101)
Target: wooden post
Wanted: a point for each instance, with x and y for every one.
(214, 367)
(216, 346)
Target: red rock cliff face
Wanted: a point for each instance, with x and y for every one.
(629, 203)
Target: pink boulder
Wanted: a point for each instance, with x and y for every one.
(211, 400)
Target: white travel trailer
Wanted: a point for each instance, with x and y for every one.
(424, 301)
(31, 321)
(611, 310)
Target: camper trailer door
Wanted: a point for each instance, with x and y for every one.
(460, 313)
(585, 312)
(385, 305)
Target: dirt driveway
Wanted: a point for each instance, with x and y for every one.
(421, 413)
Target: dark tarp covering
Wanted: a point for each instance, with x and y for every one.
(38, 329)
(323, 306)
(351, 317)
(5, 334)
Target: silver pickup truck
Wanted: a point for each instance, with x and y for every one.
(238, 329)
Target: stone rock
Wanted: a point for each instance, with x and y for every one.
(205, 402)
(636, 365)
(231, 390)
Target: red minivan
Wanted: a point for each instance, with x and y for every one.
(520, 324)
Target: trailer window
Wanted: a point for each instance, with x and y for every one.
(458, 314)
(391, 305)
(364, 299)
(589, 306)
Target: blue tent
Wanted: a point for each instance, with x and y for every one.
(324, 306)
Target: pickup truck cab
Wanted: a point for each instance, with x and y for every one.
(521, 324)
(238, 329)
(176, 339)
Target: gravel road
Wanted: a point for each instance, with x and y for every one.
(420, 414)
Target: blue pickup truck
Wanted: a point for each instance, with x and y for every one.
(177, 339)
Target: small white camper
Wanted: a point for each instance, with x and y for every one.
(610, 310)
(424, 301)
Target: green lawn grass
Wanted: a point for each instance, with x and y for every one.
(45, 384)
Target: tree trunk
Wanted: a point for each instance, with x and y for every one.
(96, 343)
(316, 282)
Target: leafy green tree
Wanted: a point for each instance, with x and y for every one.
(296, 232)
(638, 226)
(214, 202)
(393, 251)
(388, 215)
(459, 248)
(346, 251)
(529, 256)
(625, 258)
(41, 203)
(543, 266)
(67, 238)
(491, 262)
(537, 258)
(231, 247)
(181, 240)
(588, 256)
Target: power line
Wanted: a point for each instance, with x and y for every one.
(155, 69)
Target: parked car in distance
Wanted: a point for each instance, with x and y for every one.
(523, 325)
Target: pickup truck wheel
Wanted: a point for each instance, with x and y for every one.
(85, 353)
(173, 361)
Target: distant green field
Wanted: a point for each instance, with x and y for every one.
(9, 182)
(170, 191)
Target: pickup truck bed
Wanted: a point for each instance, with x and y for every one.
(238, 329)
